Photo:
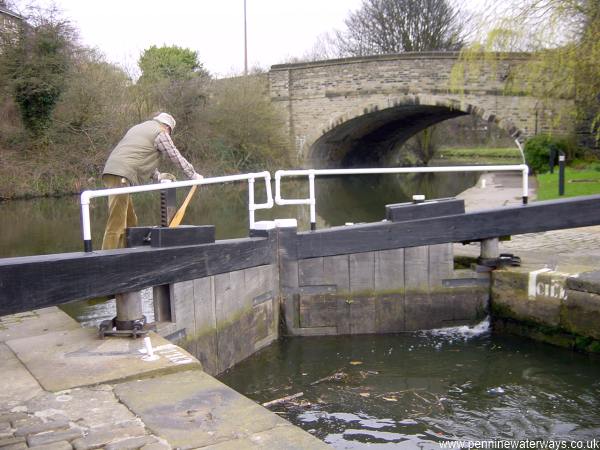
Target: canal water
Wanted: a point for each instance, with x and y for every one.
(412, 391)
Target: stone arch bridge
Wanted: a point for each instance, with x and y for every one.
(338, 110)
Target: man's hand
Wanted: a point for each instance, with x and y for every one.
(197, 176)
(166, 177)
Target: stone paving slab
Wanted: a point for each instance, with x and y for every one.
(285, 437)
(586, 282)
(34, 323)
(80, 418)
(16, 383)
(192, 409)
(495, 190)
(67, 359)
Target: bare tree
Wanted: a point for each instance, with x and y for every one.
(395, 26)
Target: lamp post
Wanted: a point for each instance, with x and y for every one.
(245, 42)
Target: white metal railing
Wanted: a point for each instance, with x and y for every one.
(312, 173)
(86, 196)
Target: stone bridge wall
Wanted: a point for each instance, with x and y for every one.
(318, 97)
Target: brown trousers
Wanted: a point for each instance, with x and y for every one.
(120, 213)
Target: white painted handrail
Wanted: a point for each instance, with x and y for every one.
(312, 173)
(86, 196)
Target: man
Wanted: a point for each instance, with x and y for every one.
(134, 161)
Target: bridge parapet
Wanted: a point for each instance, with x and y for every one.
(334, 105)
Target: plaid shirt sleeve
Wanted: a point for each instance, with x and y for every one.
(165, 145)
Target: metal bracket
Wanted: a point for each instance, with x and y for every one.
(503, 260)
(132, 328)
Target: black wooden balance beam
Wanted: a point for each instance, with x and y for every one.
(32, 282)
(472, 226)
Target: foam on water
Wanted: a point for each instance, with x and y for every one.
(464, 332)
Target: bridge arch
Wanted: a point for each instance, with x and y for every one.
(329, 106)
(365, 134)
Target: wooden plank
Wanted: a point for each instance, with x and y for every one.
(389, 270)
(28, 283)
(432, 208)
(337, 272)
(310, 272)
(532, 218)
(362, 272)
(416, 265)
(441, 264)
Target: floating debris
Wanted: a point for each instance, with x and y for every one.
(285, 399)
(337, 376)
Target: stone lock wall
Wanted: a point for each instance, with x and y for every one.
(554, 307)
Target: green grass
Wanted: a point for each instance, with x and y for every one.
(548, 182)
(477, 155)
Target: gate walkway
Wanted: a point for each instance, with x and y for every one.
(577, 246)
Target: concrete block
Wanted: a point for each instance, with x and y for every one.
(50, 438)
(362, 272)
(52, 425)
(586, 282)
(15, 446)
(7, 442)
(75, 404)
(416, 266)
(389, 270)
(285, 437)
(131, 443)
(192, 409)
(101, 437)
(35, 323)
(67, 359)
(16, 383)
(10, 417)
(157, 446)
(61, 445)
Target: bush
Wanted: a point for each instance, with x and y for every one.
(537, 151)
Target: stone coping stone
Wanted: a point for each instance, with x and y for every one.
(35, 323)
(192, 409)
(68, 359)
(586, 282)
(16, 383)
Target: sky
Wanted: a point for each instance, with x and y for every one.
(277, 29)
